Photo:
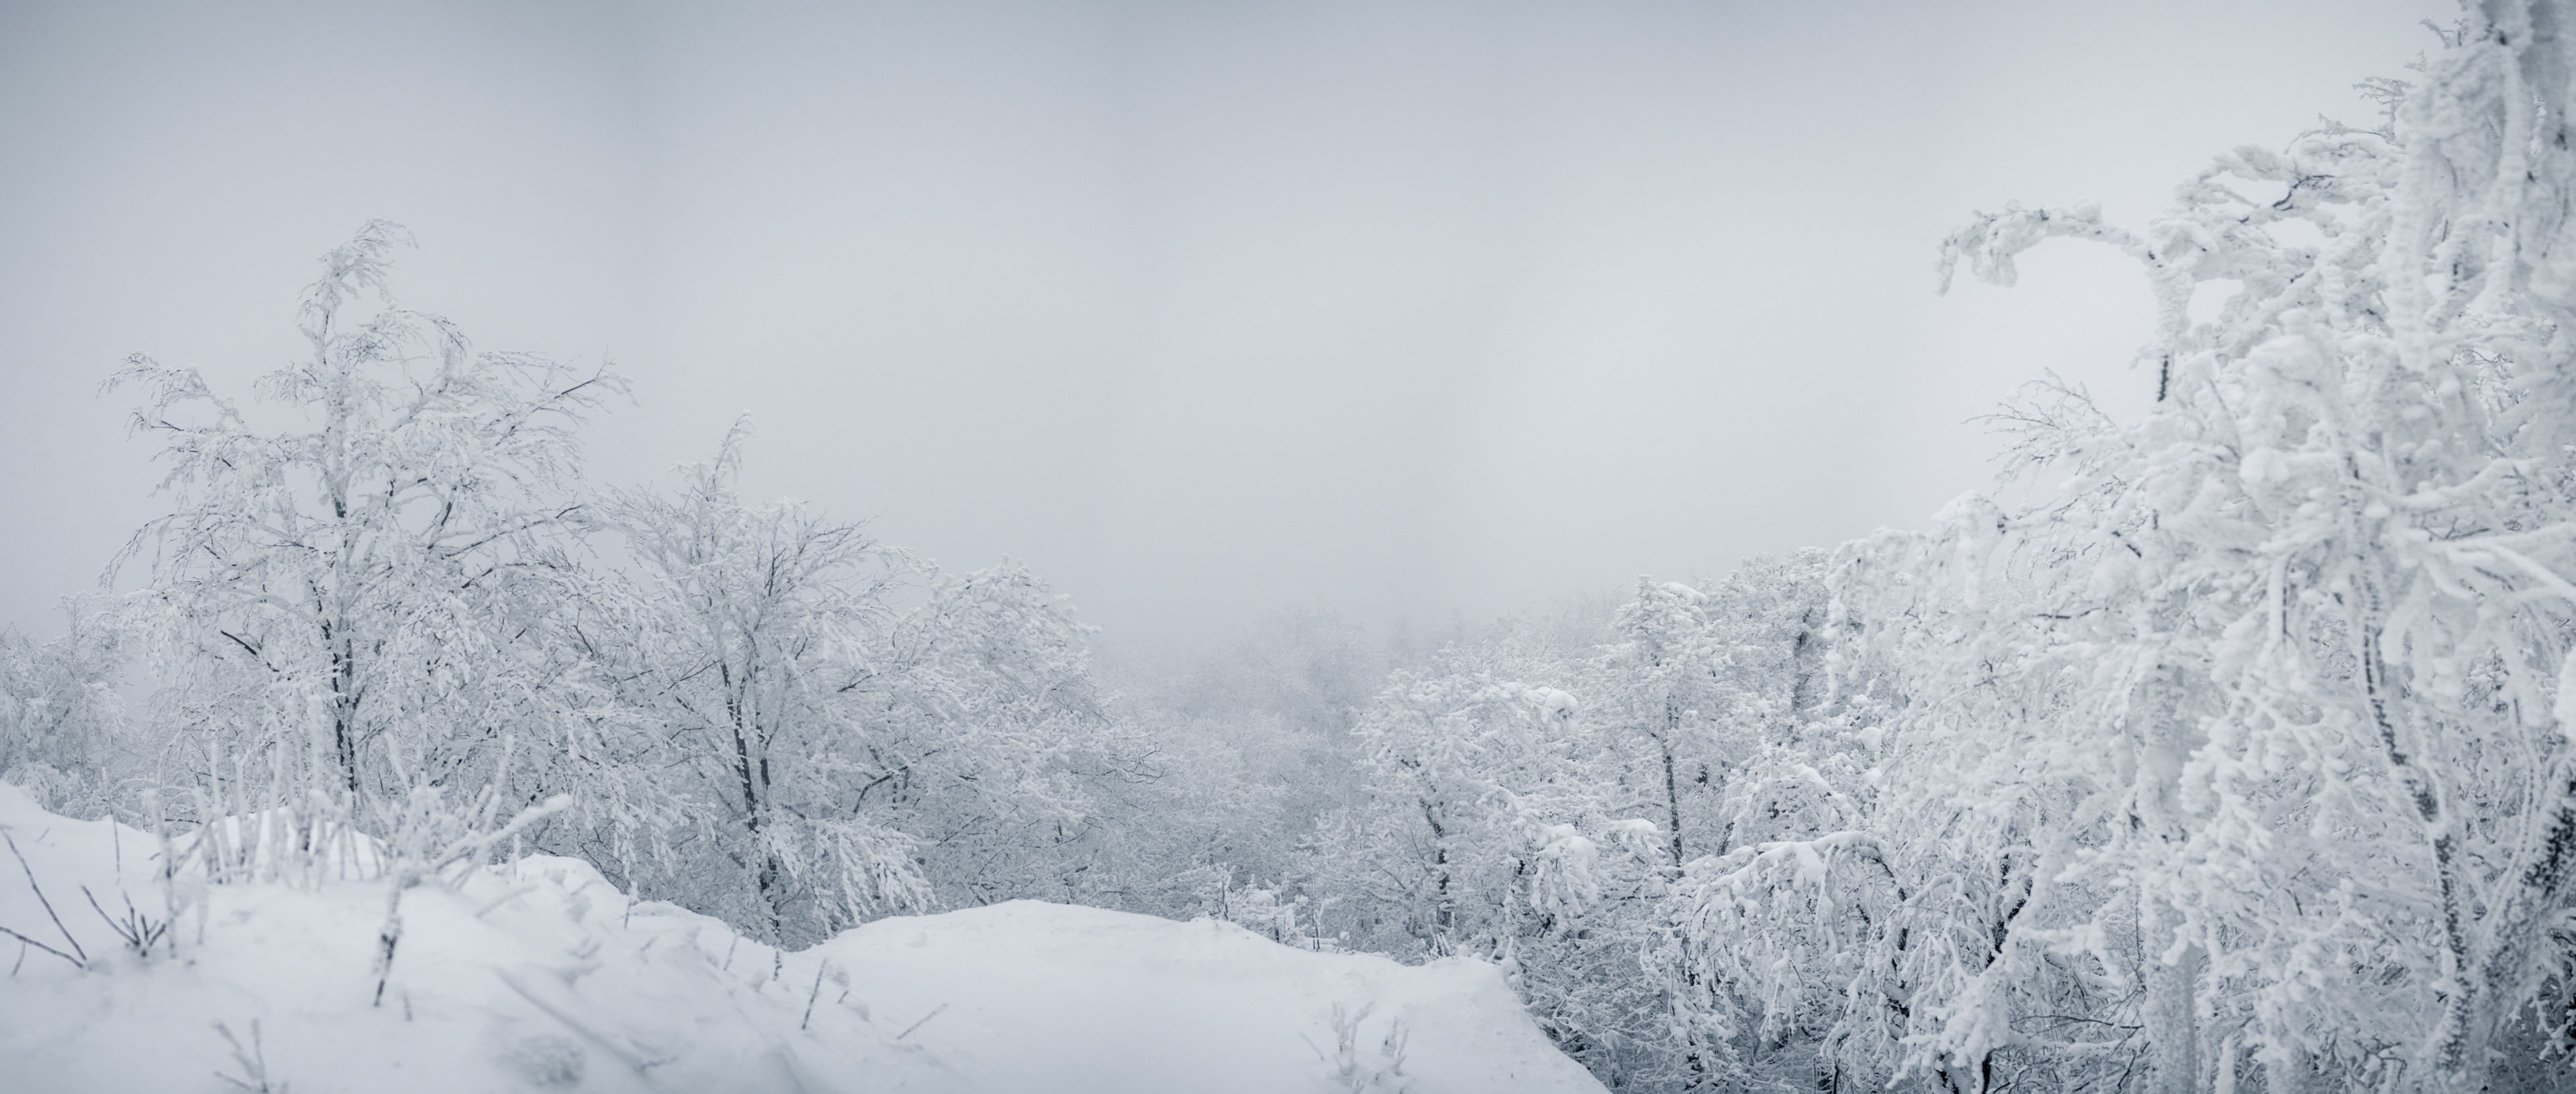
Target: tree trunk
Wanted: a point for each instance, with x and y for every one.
(2172, 964)
(344, 706)
(2455, 1052)
(1672, 789)
(769, 875)
(2173, 1032)
(1443, 909)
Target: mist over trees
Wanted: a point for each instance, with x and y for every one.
(2233, 752)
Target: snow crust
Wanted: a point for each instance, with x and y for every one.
(541, 977)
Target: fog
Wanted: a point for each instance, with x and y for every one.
(1411, 311)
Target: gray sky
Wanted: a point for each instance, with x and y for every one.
(1200, 309)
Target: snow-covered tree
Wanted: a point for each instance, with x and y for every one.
(1663, 674)
(994, 746)
(742, 641)
(1498, 823)
(1699, 682)
(348, 598)
(829, 754)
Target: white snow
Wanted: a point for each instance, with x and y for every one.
(1555, 702)
(540, 977)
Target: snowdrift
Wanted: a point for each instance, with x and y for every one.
(542, 977)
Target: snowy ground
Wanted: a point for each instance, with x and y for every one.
(540, 977)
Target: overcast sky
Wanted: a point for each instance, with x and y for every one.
(1200, 309)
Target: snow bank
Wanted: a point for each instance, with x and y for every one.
(541, 977)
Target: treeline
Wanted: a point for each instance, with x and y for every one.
(2236, 757)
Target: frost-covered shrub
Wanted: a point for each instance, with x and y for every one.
(64, 734)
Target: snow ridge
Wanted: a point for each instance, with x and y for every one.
(540, 976)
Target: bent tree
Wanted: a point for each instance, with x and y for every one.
(2243, 755)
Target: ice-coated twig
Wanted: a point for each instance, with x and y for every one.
(407, 871)
(254, 1063)
(925, 1020)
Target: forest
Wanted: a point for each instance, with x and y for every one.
(2231, 748)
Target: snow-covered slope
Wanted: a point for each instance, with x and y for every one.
(540, 977)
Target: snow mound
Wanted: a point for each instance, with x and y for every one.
(1049, 997)
(542, 977)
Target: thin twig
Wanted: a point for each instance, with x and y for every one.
(40, 899)
(24, 940)
(815, 994)
(137, 931)
(111, 924)
(254, 1063)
